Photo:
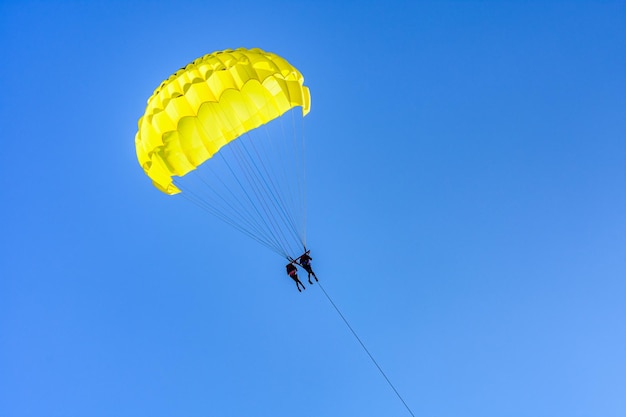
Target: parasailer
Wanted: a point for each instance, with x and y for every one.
(292, 271)
(305, 262)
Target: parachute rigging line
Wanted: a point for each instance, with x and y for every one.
(301, 183)
(202, 204)
(365, 349)
(236, 207)
(254, 184)
(238, 219)
(268, 189)
(258, 186)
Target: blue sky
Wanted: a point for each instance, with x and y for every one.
(466, 178)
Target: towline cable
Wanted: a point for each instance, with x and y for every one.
(365, 349)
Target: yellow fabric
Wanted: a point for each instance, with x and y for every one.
(210, 102)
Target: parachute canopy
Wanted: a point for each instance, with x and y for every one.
(210, 102)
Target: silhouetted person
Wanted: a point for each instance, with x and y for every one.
(305, 262)
(292, 271)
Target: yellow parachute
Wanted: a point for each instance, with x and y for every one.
(208, 104)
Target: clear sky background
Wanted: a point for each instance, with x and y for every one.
(466, 174)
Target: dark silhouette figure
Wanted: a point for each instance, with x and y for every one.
(305, 262)
(292, 271)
